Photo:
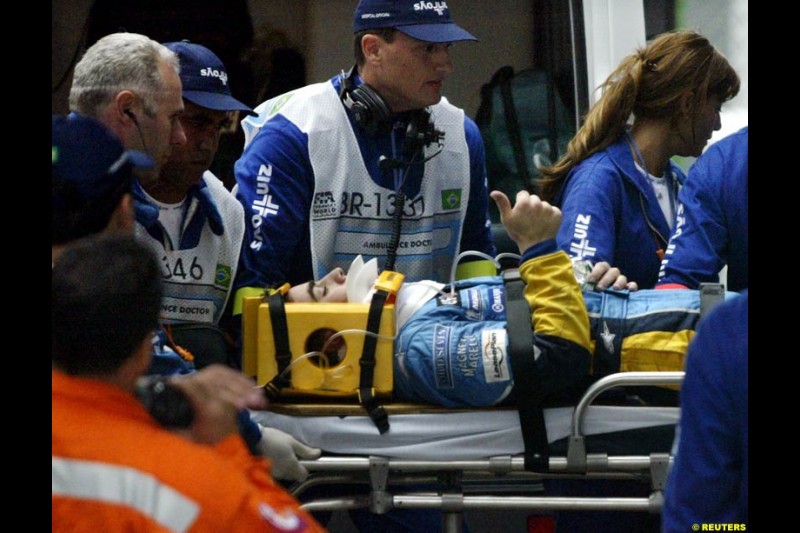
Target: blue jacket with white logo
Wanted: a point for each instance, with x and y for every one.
(611, 213)
(276, 184)
(711, 228)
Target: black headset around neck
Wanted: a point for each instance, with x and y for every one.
(371, 112)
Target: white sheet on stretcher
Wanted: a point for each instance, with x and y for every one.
(456, 436)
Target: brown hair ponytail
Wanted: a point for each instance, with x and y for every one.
(649, 83)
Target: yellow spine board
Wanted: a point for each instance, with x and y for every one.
(308, 375)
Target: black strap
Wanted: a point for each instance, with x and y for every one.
(527, 389)
(366, 393)
(283, 354)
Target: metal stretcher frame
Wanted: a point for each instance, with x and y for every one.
(499, 482)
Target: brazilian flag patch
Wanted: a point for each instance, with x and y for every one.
(222, 278)
(451, 199)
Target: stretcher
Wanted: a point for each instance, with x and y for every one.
(474, 458)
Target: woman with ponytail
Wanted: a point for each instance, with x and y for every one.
(616, 185)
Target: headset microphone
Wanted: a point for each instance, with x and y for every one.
(387, 163)
(420, 133)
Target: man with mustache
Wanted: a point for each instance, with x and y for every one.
(196, 226)
(193, 222)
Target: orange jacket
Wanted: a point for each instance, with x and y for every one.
(115, 469)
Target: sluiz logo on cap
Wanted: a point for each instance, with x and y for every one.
(439, 7)
(213, 73)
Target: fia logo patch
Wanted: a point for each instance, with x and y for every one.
(324, 205)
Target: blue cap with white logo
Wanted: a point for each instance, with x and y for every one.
(204, 78)
(91, 173)
(425, 21)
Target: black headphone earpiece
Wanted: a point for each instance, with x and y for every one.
(371, 112)
(368, 108)
(133, 117)
(136, 123)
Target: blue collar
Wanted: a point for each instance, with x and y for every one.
(147, 215)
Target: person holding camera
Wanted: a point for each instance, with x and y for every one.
(92, 177)
(114, 467)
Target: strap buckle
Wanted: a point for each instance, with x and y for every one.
(377, 413)
(380, 418)
(272, 391)
(369, 393)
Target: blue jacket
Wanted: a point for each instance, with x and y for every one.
(165, 361)
(279, 156)
(610, 213)
(708, 481)
(711, 228)
(207, 212)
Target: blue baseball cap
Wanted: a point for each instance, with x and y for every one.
(204, 78)
(425, 21)
(91, 173)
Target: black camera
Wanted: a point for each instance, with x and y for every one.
(167, 404)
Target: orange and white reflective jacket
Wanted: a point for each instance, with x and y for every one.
(115, 469)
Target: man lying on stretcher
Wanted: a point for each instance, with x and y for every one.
(451, 342)
(452, 351)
